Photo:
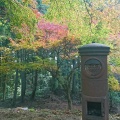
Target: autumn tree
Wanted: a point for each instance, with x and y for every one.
(90, 21)
(12, 19)
(40, 38)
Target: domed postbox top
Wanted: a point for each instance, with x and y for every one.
(94, 49)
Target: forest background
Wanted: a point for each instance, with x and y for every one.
(39, 43)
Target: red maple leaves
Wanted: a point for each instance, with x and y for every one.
(51, 31)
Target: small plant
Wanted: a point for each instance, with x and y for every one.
(114, 90)
(32, 110)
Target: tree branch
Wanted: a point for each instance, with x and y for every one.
(88, 14)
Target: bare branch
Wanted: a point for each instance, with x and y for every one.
(88, 14)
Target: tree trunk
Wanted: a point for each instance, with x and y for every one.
(74, 80)
(35, 85)
(69, 99)
(79, 80)
(69, 90)
(15, 91)
(23, 85)
(4, 90)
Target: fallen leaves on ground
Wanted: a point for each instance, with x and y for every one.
(44, 114)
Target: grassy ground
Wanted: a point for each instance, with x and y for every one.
(31, 114)
(43, 109)
(40, 109)
(43, 114)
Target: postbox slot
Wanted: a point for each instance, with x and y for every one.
(94, 108)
